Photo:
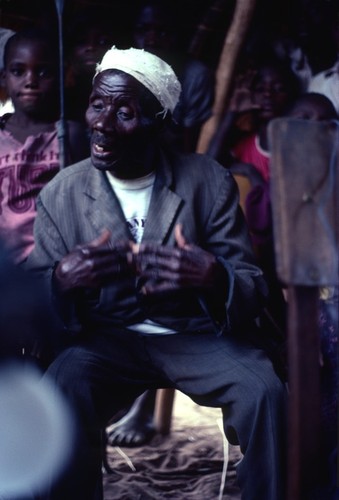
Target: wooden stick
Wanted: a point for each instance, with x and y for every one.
(225, 72)
(163, 410)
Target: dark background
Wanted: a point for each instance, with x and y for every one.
(307, 19)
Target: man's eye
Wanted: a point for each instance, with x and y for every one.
(97, 106)
(124, 115)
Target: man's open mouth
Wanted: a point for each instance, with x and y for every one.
(101, 149)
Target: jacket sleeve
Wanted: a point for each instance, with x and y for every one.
(228, 238)
(48, 251)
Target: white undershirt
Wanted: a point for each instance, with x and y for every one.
(134, 196)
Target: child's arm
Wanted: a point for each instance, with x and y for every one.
(240, 104)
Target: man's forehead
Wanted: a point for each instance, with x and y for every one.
(111, 82)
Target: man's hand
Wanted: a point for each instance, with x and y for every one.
(165, 269)
(94, 264)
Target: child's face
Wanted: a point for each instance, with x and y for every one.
(312, 110)
(31, 78)
(154, 31)
(270, 94)
(89, 49)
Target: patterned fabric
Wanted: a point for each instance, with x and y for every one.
(24, 170)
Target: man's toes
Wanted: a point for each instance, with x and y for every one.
(130, 438)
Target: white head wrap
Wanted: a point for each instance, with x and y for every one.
(154, 73)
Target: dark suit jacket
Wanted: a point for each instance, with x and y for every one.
(193, 190)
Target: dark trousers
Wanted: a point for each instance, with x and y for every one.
(103, 374)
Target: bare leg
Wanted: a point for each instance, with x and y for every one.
(136, 427)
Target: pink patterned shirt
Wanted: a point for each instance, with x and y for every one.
(24, 170)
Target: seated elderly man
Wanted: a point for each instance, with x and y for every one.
(148, 261)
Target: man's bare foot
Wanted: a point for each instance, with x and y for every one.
(136, 427)
(130, 432)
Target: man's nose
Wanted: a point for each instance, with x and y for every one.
(105, 121)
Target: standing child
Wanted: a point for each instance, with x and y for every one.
(29, 145)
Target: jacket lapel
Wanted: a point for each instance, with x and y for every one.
(164, 206)
(104, 210)
(162, 213)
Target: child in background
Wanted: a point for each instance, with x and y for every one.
(29, 144)
(266, 92)
(273, 89)
(88, 36)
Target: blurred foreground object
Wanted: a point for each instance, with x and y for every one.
(304, 194)
(35, 430)
(36, 426)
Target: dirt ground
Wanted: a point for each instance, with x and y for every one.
(188, 464)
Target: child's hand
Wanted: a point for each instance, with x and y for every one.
(241, 98)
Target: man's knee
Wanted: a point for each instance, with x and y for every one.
(69, 368)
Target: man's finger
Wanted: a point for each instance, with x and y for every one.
(179, 237)
(101, 240)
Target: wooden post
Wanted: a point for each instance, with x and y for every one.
(163, 410)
